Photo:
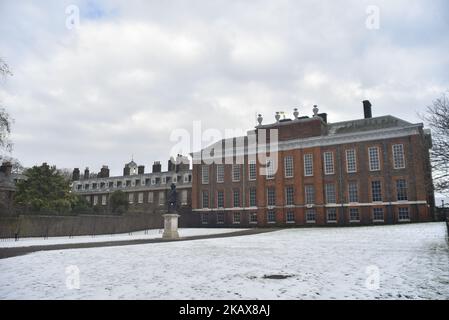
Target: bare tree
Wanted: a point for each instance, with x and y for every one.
(5, 119)
(437, 117)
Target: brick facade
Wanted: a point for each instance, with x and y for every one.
(313, 136)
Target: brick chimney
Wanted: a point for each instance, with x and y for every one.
(157, 167)
(367, 109)
(141, 169)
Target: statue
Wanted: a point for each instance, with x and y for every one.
(172, 199)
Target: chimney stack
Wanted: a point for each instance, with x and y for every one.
(157, 167)
(6, 168)
(367, 109)
(141, 169)
(76, 174)
(126, 170)
(86, 173)
(104, 172)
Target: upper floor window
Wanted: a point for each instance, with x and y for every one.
(270, 169)
(235, 172)
(164, 180)
(220, 173)
(288, 166)
(328, 163)
(252, 173)
(351, 161)
(398, 156)
(205, 174)
(308, 164)
(374, 161)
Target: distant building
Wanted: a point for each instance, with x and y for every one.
(8, 181)
(146, 191)
(374, 170)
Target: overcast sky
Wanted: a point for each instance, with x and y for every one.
(133, 71)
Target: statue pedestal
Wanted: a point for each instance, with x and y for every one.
(170, 226)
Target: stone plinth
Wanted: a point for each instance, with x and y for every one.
(170, 226)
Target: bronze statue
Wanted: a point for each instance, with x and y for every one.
(172, 199)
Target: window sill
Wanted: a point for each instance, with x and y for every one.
(354, 221)
(271, 222)
(404, 220)
(311, 222)
(378, 221)
(332, 221)
(290, 222)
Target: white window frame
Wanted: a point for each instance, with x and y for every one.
(310, 211)
(374, 215)
(218, 199)
(332, 211)
(358, 215)
(205, 174)
(220, 173)
(130, 198)
(398, 156)
(374, 159)
(251, 215)
(351, 161)
(236, 217)
(290, 191)
(252, 170)
(308, 165)
(288, 167)
(329, 167)
(399, 215)
(288, 214)
(326, 193)
(95, 200)
(204, 218)
(104, 200)
(309, 187)
(234, 192)
(356, 190)
(269, 170)
(150, 197)
(271, 213)
(251, 204)
(271, 197)
(236, 172)
(203, 194)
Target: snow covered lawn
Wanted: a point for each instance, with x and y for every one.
(138, 235)
(412, 262)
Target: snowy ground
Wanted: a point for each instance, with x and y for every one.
(323, 263)
(138, 235)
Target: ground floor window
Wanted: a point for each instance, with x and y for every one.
(253, 217)
(236, 217)
(103, 200)
(310, 216)
(354, 215)
(220, 218)
(290, 216)
(271, 217)
(378, 214)
(404, 214)
(331, 215)
(204, 218)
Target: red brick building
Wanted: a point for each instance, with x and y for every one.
(360, 172)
